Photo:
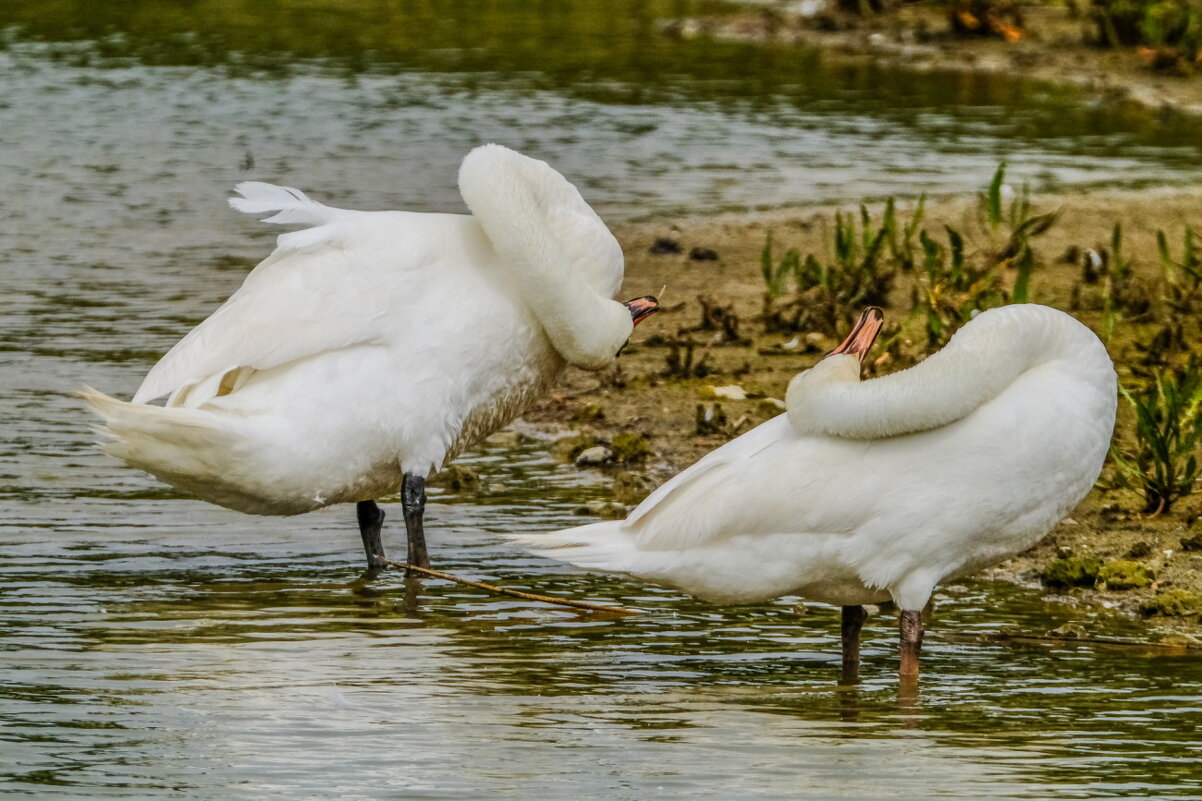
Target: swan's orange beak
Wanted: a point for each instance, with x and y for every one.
(642, 308)
(863, 334)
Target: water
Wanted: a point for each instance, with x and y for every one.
(158, 647)
(374, 106)
(155, 647)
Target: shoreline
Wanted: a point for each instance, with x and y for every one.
(1055, 48)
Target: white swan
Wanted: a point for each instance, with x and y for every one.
(868, 491)
(372, 347)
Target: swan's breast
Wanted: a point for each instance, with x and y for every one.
(505, 401)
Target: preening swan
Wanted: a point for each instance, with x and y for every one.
(372, 347)
(867, 491)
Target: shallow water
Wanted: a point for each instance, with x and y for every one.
(155, 647)
(111, 115)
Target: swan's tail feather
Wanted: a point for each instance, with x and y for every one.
(289, 205)
(163, 441)
(598, 546)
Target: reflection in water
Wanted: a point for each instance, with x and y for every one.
(153, 646)
(372, 105)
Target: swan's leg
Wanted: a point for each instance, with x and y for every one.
(413, 504)
(911, 641)
(371, 521)
(853, 621)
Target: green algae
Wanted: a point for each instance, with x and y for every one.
(1176, 602)
(1123, 574)
(629, 448)
(1072, 571)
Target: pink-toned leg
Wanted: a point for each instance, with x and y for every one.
(911, 642)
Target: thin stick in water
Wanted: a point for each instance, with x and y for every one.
(529, 596)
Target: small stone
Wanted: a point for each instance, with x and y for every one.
(629, 447)
(631, 487)
(607, 511)
(663, 245)
(566, 449)
(456, 478)
(1070, 631)
(730, 392)
(1193, 543)
(594, 456)
(1173, 603)
(1071, 571)
(772, 406)
(1139, 550)
(817, 343)
(588, 413)
(703, 254)
(710, 419)
(1123, 574)
(504, 439)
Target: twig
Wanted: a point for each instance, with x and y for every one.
(529, 596)
(1109, 642)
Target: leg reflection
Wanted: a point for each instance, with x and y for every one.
(412, 600)
(853, 618)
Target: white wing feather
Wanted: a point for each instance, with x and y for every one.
(710, 501)
(318, 291)
(288, 204)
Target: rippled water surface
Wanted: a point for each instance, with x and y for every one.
(155, 647)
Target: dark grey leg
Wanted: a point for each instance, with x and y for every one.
(853, 621)
(413, 504)
(371, 521)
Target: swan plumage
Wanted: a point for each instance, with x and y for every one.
(867, 491)
(372, 346)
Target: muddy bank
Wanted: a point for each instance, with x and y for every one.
(1056, 44)
(705, 370)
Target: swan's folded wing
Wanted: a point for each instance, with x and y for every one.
(766, 482)
(319, 291)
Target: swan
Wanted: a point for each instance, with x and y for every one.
(371, 348)
(862, 492)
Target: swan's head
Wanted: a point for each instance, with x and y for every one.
(840, 366)
(598, 335)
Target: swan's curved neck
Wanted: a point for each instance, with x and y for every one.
(564, 261)
(977, 365)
